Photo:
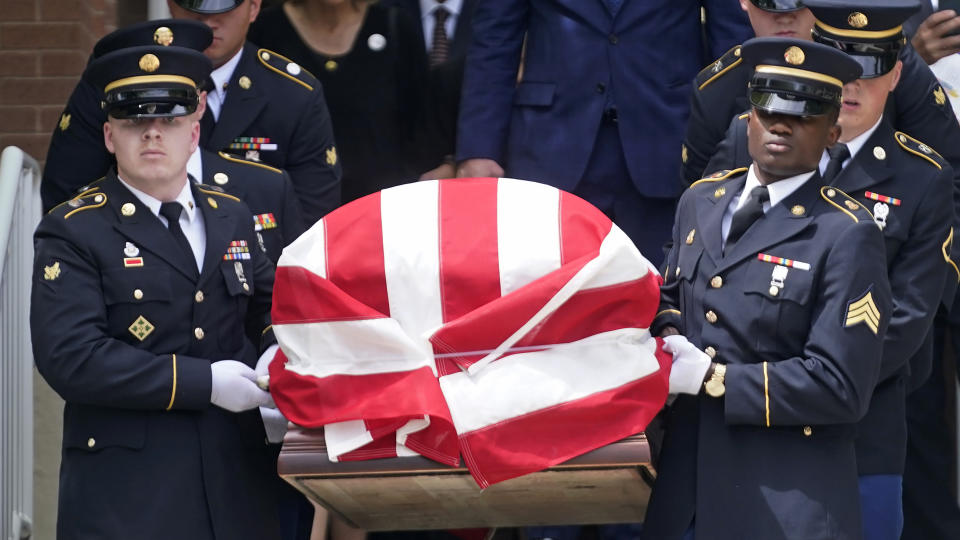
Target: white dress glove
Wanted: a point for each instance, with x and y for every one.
(690, 365)
(274, 423)
(263, 364)
(234, 386)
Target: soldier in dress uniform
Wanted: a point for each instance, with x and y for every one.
(261, 106)
(918, 106)
(148, 295)
(777, 287)
(908, 187)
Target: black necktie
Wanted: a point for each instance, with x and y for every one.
(747, 214)
(441, 46)
(838, 154)
(172, 211)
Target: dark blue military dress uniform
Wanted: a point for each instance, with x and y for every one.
(125, 331)
(268, 97)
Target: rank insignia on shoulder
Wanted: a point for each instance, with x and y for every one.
(722, 65)
(332, 156)
(141, 328)
(917, 148)
(52, 272)
(845, 203)
(863, 311)
(264, 221)
(64, 121)
(939, 97)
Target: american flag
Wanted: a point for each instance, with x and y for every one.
(497, 319)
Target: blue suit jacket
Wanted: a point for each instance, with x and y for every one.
(580, 60)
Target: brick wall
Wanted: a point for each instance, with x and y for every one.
(44, 46)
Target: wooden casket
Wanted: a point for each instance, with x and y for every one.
(608, 485)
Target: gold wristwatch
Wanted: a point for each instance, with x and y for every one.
(715, 386)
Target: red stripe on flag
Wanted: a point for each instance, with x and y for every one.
(314, 401)
(300, 296)
(355, 229)
(463, 244)
(541, 439)
(582, 228)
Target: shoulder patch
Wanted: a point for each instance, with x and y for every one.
(720, 175)
(88, 200)
(215, 190)
(722, 65)
(286, 67)
(917, 148)
(846, 204)
(235, 159)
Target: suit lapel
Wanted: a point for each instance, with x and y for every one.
(242, 105)
(143, 228)
(777, 225)
(866, 169)
(219, 226)
(710, 210)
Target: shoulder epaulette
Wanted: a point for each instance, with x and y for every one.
(286, 67)
(722, 65)
(720, 175)
(89, 200)
(89, 188)
(917, 148)
(235, 159)
(845, 203)
(215, 190)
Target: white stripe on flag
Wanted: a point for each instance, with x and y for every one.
(366, 347)
(628, 264)
(411, 247)
(343, 437)
(528, 232)
(523, 383)
(308, 251)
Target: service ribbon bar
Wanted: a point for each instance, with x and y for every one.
(258, 140)
(790, 263)
(252, 146)
(883, 198)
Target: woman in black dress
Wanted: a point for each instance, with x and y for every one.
(371, 63)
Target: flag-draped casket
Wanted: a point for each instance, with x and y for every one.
(499, 320)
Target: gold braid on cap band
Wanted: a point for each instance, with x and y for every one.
(146, 79)
(802, 73)
(866, 34)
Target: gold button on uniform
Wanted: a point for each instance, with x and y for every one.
(198, 297)
(138, 294)
(716, 282)
(198, 332)
(91, 442)
(711, 352)
(774, 290)
(711, 317)
(807, 430)
(246, 287)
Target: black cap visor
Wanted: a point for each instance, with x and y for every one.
(150, 102)
(208, 6)
(876, 58)
(778, 5)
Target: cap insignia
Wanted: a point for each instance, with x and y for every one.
(149, 63)
(794, 55)
(163, 36)
(857, 20)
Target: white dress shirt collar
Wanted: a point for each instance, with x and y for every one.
(778, 190)
(185, 198)
(854, 146)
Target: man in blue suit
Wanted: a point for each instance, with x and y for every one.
(601, 100)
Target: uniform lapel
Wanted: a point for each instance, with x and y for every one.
(778, 224)
(220, 227)
(242, 104)
(866, 169)
(142, 227)
(710, 210)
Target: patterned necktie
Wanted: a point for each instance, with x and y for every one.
(441, 46)
(172, 211)
(747, 214)
(838, 154)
